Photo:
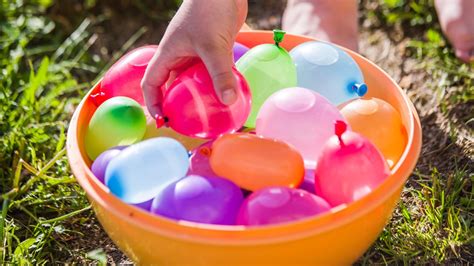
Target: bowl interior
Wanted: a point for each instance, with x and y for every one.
(380, 85)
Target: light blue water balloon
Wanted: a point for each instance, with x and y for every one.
(142, 170)
(328, 70)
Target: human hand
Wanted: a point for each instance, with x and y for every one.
(200, 29)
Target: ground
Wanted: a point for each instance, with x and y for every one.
(51, 53)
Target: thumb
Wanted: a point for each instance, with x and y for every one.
(219, 63)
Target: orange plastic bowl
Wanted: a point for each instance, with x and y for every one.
(338, 237)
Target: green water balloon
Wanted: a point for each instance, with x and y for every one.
(118, 121)
(267, 69)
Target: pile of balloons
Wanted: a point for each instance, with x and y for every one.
(298, 141)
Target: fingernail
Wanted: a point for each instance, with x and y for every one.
(228, 96)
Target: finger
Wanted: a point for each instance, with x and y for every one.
(219, 63)
(465, 55)
(242, 9)
(156, 74)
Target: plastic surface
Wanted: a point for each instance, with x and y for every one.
(99, 166)
(328, 70)
(209, 200)
(349, 167)
(275, 205)
(193, 108)
(239, 51)
(254, 162)
(199, 161)
(118, 121)
(300, 117)
(378, 121)
(142, 170)
(267, 68)
(125, 76)
(337, 237)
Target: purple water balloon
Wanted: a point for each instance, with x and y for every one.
(100, 164)
(308, 181)
(210, 200)
(199, 163)
(146, 205)
(239, 50)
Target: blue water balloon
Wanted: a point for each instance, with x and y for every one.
(142, 170)
(328, 70)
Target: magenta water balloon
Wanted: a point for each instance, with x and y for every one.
(275, 205)
(100, 164)
(210, 200)
(199, 161)
(192, 107)
(349, 168)
(125, 76)
(239, 50)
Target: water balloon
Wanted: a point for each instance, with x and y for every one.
(199, 161)
(142, 170)
(378, 121)
(300, 117)
(349, 168)
(210, 200)
(191, 106)
(153, 131)
(239, 51)
(308, 181)
(124, 77)
(267, 68)
(118, 121)
(275, 205)
(328, 70)
(253, 162)
(99, 166)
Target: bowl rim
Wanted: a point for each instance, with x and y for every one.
(99, 194)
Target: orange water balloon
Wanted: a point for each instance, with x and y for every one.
(254, 162)
(378, 121)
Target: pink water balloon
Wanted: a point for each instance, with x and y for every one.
(191, 106)
(300, 117)
(124, 77)
(199, 161)
(275, 205)
(349, 167)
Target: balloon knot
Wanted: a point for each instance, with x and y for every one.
(205, 151)
(360, 89)
(339, 128)
(161, 120)
(278, 36)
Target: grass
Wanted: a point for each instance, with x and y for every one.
(434, 220)
(39, 89)
(45, 71)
